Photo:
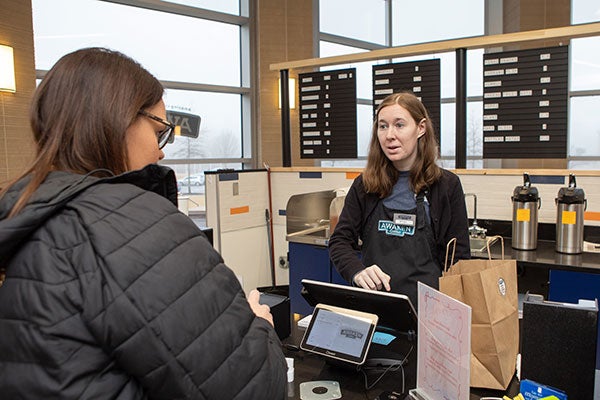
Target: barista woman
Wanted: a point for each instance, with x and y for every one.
(404, 208)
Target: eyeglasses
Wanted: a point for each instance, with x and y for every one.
(166, 134)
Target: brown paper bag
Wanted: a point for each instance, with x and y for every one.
(490, 288)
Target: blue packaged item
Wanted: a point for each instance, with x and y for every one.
(533, 391)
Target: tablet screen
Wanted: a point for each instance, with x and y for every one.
(340, 333)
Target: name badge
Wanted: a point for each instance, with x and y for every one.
(405, 219)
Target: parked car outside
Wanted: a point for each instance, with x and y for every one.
(192, 180)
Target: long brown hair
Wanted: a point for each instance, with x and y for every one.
(380, 175)
(80, 113)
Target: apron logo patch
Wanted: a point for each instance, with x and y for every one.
(393, 229)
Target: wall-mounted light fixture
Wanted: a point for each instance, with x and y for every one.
(7, 69)
(292, 87)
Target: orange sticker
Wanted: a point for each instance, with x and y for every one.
(239, 210)
(523, 215)
(569, 217)
(352, 175)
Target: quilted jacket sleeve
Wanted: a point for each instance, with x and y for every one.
(168, 311)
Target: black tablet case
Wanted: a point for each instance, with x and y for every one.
(280, 309)
(559, 347)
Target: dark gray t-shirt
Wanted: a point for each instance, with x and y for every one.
(402, 197)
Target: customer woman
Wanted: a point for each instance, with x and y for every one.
(404, 207)
(109, 291)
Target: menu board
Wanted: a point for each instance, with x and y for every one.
(420, 77)
(525, 97)
(328, 114)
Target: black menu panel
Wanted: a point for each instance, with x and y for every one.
(420, 77)
(525, 97)
(328, 114)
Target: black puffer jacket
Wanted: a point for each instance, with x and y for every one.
(111, 293)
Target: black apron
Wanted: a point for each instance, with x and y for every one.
(406, 253)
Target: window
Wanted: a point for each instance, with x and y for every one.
(584, 120)
(220, 128)
(584, 72)
(225, 6)
(432, 20)
(357, 19)
(359, 23)
(409, 24)
(133, 31)
(194, 47)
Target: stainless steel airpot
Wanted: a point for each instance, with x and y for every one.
(570, 206)
(526, 203)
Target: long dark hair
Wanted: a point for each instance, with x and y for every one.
(81, 111)
(380, 174)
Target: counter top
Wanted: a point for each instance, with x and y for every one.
(545, 255)
(311, 367)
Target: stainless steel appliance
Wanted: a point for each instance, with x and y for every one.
(311, 218)
(526, 203)
(308, 217)
(570, 206)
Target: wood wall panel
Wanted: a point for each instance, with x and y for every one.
(16, 144)
(528, 15)
(285, 32)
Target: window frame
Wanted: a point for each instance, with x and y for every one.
(248, 139)
(448, 160)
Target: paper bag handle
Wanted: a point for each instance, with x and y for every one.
(453, 243)
(487, 245)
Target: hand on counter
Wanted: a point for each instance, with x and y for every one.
(373, 278)
(261, 310)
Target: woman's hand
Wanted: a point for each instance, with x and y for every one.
(261, 310)
(373, 278)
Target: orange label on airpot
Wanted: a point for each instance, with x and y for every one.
(523, 214)
(569, 217)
